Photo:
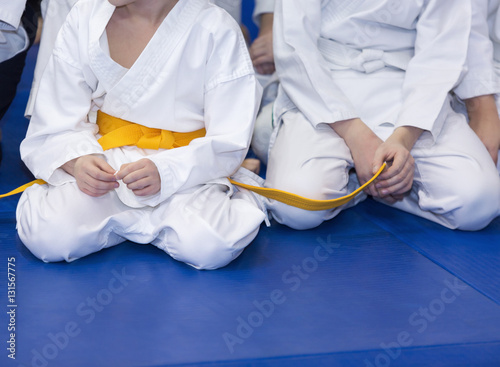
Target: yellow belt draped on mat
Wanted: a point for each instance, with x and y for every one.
(116, 132)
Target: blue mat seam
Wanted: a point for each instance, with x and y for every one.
(284, 358)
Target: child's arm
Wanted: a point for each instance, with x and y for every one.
(480, 78)
(479, 85)
(442, 34)
(59, 130)
(440, 53)
(369, 153)
(261, 50)
(363, 143)
(484, 120)
(10, 17)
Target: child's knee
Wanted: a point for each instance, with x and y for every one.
(205, 249)
(299, 219)
(44, 235)
(44, 245)
(218, 253)
(480, 203)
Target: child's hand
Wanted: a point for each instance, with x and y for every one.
(488, 130)
(485, 122)
(94, 176)
(363, 143)
(142, 177)
(262, 54)
(396, 181)
(261, 50)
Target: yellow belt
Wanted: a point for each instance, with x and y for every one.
(117, 133)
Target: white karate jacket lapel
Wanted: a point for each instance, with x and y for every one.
(124, 91)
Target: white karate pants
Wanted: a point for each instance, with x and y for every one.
(206, 227)
(455, 184)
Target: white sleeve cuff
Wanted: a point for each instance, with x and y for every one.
(10, 14)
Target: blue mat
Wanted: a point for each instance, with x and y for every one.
(373, 287)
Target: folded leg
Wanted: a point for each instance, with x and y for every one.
(206, 227)
(311, 162)
(456, 183)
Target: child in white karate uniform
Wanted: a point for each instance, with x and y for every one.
(363, 82)
(54, 13)
(176, 74)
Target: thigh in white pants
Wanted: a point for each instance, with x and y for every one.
(311, 162)
(456, 183)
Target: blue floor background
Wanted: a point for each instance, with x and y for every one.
(373, 287)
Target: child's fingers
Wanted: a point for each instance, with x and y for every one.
(125, 170)
(104, 166)
(102, 171)
(396, 165)
(133, 177)
(268, 68)
(102, 188)
(398, 184)
(138, 184)
(136, 170)
(394, 176)
(262, 59)
(399, 187)
(148, 190)
(145, 186)
(256, 51)
(104, 176)
(379, 158)
(141, 177)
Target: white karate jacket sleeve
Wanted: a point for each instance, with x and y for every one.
(10, 13)
(442, 34)
(59, 129)
(13, 36)
(494, 26)
(480, 77)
